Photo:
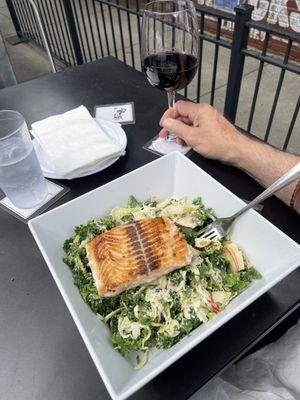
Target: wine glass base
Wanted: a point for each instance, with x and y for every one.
(162, 146)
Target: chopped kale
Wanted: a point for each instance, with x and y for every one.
(197, 201)
(189, 234)
(133, 203)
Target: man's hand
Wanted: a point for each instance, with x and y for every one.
(210, 134)
(203, 128)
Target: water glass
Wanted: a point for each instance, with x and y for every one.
(21, 177)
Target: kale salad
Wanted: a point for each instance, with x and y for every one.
(160, 313)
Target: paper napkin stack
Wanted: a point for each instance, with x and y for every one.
(73, 142)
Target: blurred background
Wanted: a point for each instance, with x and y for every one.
(250, 55)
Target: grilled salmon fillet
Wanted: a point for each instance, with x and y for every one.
(138, 252)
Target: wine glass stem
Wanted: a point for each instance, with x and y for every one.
(171, 102)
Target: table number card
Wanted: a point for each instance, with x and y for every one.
(123, 113)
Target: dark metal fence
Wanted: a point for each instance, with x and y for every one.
(81, 31)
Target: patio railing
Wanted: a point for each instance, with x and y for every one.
(80, 31)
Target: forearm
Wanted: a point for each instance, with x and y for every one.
(265, 164)
(213, 136)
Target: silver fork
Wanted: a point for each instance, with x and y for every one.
(220, 227)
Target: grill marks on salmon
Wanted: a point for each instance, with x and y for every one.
(135, 253)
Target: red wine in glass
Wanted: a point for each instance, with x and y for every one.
(170, 71)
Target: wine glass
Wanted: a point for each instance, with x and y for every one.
(170, 53)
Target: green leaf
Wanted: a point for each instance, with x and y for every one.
(133, 203)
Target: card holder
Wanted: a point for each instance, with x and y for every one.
(122, 113)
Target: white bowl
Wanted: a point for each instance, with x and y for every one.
(273, 253)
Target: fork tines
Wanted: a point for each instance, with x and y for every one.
(210, 233)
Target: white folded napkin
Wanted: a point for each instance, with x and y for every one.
(74, 142)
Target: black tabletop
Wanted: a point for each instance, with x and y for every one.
(42, 355)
